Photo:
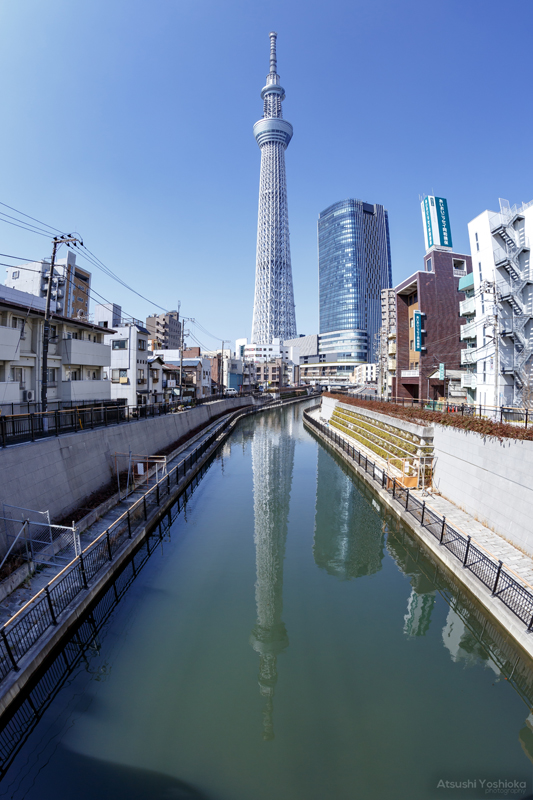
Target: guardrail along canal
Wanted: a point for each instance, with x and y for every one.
(285, 639)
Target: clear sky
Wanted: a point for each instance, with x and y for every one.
(131, 122)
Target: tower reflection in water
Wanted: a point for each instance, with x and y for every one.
(272, 465)
(349, 537)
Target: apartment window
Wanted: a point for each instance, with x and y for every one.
(17, 376)
(477, 242)
(140, 375)
(15, 274)
(74, 375)
(119, 344)
(117, 374)
(412, 322)
(50, 376)
(412, 344)
(142, 344)
(428, 265)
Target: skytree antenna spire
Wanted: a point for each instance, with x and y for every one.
(274, 316)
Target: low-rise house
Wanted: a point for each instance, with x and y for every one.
(155, 379)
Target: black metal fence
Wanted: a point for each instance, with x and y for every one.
(30, 427)
(24, 629)
(517, 596)
(509, 414)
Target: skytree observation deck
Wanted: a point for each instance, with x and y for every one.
(274, 315)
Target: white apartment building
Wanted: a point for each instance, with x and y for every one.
(71, 285)
(386, 364)
(364, 373)
(261, 353)
(501, 306)
(129, 371)
(78, 358)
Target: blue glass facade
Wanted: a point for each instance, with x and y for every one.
(354, 265)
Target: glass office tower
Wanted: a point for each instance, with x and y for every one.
(354, 265)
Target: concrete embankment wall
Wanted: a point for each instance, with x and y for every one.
(59, 473)
(491, 480)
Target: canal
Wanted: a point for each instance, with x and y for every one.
(286, 639)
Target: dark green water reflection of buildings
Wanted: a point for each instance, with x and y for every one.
(352, 534)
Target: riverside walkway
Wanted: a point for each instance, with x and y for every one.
(518, 562)
(495, 571)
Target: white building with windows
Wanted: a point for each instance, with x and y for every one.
(129, 371)
(499, 328)
(71, 285)
(78, 357)
(364, 373)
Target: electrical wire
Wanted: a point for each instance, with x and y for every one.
(32, 218)
(84, 252)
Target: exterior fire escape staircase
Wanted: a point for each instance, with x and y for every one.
(511, 291)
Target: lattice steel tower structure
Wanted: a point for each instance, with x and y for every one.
(274, 315)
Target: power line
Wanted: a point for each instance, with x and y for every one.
(84, 252)
(56, 230)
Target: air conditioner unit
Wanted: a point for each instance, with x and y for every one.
(28, 395)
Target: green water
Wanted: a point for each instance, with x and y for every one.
(287, 641)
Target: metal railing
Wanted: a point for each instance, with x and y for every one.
(16, 428)
(24, 629)
(514, 593)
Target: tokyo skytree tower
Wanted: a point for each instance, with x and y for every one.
(274, 315)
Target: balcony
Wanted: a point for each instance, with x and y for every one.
(9, 342)
(410, 373)
(72, 391)
(141, 381)
(466, 283)
(392, 348)
(391, 364)
(85, 354)
(468, 331)
(469, 381)
(469, 356)
(467, 307)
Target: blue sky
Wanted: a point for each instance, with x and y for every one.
(131, 122)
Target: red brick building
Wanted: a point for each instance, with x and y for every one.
(434, 292)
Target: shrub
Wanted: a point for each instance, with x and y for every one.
(421, 416)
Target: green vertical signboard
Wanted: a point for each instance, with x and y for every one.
(427, 221)
(441, 371)
(418, 331)
(443, 222)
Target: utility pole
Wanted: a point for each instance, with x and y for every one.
(181, 359)
(496, 356)
(56, 241)
(221, 373)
